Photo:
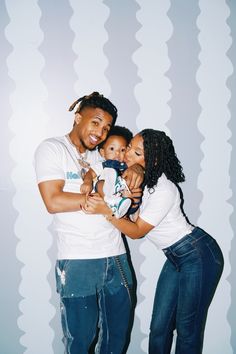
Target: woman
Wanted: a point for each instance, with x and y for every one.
(194, 264)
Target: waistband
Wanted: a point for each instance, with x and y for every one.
(196, 234)
(122, 255)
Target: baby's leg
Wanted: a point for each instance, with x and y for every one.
(110, 178)
(112, 188)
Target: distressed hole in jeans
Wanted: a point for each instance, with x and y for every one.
(62, 275)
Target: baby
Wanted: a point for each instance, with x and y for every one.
(110, 184)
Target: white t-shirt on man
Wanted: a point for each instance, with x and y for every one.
(80, 236)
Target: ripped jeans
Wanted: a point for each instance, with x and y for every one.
(95, 304)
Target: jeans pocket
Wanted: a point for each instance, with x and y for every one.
(183, 249)
(76, 277)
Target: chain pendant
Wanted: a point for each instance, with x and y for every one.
(84, 163)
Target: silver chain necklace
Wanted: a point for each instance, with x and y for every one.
(79, 157)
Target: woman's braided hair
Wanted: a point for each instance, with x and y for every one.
(95, 100)
(160, 157)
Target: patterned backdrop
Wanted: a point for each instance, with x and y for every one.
(167, 65)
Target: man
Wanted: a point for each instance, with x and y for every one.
(92, 272)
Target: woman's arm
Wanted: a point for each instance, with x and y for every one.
(133, 229)
(96, 205)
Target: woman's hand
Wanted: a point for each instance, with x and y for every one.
(136, 194)
(134, 176)
(96, 205)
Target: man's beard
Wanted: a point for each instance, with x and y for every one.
(87, 147)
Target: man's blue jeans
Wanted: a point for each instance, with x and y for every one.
(94, 302)
(185, 289)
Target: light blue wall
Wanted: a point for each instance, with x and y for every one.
(167, 65)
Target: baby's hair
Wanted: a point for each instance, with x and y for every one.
(160, 157)
(118, 131)
(95, 100)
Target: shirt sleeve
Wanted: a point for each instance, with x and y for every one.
(48, 162)
(158, 205)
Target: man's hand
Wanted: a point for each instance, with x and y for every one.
(96, 205)
(134, 176)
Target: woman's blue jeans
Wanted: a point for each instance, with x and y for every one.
(185, 289)
(95, 304)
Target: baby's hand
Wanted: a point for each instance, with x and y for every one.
(86, 188)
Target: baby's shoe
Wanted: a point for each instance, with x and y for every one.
(119, 205)
(113, 183)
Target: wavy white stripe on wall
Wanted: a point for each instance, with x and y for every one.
(87, 23)
(214, 180)
(153, 62)
(25, 64)
(152, 94)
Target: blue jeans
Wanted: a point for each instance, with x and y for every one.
(95, 304)
(185, 289)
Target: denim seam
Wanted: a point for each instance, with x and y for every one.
(100, 333)
(199, 300)
(168, 325)
(196, 310)
(169, 322)
(172, 260)
(213, 253)
(68, 338)
(102, 318)
(195, 240)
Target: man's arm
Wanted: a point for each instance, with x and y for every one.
(56, 200)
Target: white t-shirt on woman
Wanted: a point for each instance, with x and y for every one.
(162, 210)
